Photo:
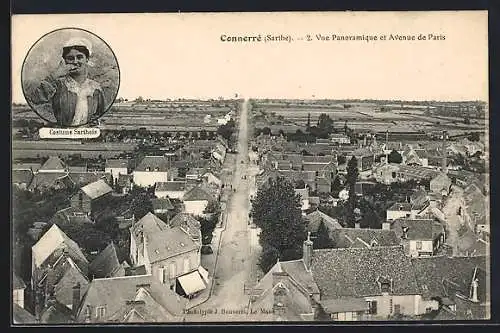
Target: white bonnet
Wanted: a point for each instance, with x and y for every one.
(79, 42)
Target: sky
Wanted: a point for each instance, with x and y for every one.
(181, 55)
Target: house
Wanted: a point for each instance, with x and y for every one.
(162, 206)
(125, 183)
(188, 223)
(323, 185)
(399, 210)
(363, 238)
(440, 184)
(366, 283)
(171, 189)
(22, 178)
(92, 198)
(386, 173)
(130, 299)
(53, 165)
(421, 237)
(51, 249)
(81, 179)
(340, 138)
(18, 287)
(303, 193)
(169, 254)
(151, 170)
(43, 181)
(476, 209)
(416, 172)
(365, 158)
(56, 313)
(460, 284)
(412, 156)
(362, 188)
(196, 200)
(106, 264)
(21, 316)
(314, 219)
(117, 167)
(211, 179)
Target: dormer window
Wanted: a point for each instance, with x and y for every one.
(148, 169)
(157, 169)
(385, 287)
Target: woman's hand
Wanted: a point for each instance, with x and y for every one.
(63, 69)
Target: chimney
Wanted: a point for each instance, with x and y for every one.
(473, 296)
(76, 298)
(386, 225)
(307, 250)
(364, 141)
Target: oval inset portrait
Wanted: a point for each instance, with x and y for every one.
(70, 77)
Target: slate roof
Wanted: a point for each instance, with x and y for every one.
(347, 237)
(432, 272)
(162, 204)
(353, 272)
(417, 171)
(184, 218)
(106, 263)
(114, 293)
(153, 162)
(314, 219)
(52, 164)
(169, 243)
(97, 189)
(148, 224)
(56, 313)
(22, 176)
(117, 163)
(22, 316)
(175, 186)
(69, 274)
(84, 178)
(50, 241)
(421, 229)
(198, 194)
(49, 180)
(17, 282)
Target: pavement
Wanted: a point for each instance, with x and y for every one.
(234, 261)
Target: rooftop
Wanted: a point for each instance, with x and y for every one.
(97, 189)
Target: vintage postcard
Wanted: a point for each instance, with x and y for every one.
(250, 167)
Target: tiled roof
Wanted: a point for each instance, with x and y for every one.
(117, 163)
(168, 243)
(77, 168)
(354, 272)
(197, 193)
(476, 204)
(419, 197)
(84, 178)
(149, 224)
(314, 219)
(457, 271)
(162, 204)
(53, 163)
(69, 275)
(184, 218)
(97, 189)
(106, 263)
(50, 241)
(153, 162)
(347, 237)
(422, 229)
(418, 171)
(400, 206)
(175, 186)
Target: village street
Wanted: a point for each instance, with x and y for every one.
(235, 258)
(453, 220)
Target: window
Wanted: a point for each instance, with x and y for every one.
(390, 306)
(397, 308)
(335, 316)
(161, 275)
(385, 287)
(354, 316)
(341, 316)
(428, 310)
(100, 312)
(393, 175)
(348, 316)
(372, 307)
(419, 245)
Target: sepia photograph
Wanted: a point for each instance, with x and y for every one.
(285, 167)
(70, 77)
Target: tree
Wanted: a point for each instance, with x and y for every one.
(352, 177)
(276, 210)
(140, 202)
(336, 187)
(325, 123)
(323, 240)
(395, 157)
(474, 136)
(268, 258)
(226, 130)
(341, 159)
(266, 131)
(139, 99)
(308, 125)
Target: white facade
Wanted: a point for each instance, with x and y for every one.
(195, 207)
(398, 214)
(169, 194)
(421, 248)
(149, 178)
(116, 172)
(18, 297)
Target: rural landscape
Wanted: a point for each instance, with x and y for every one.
(245, 209)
